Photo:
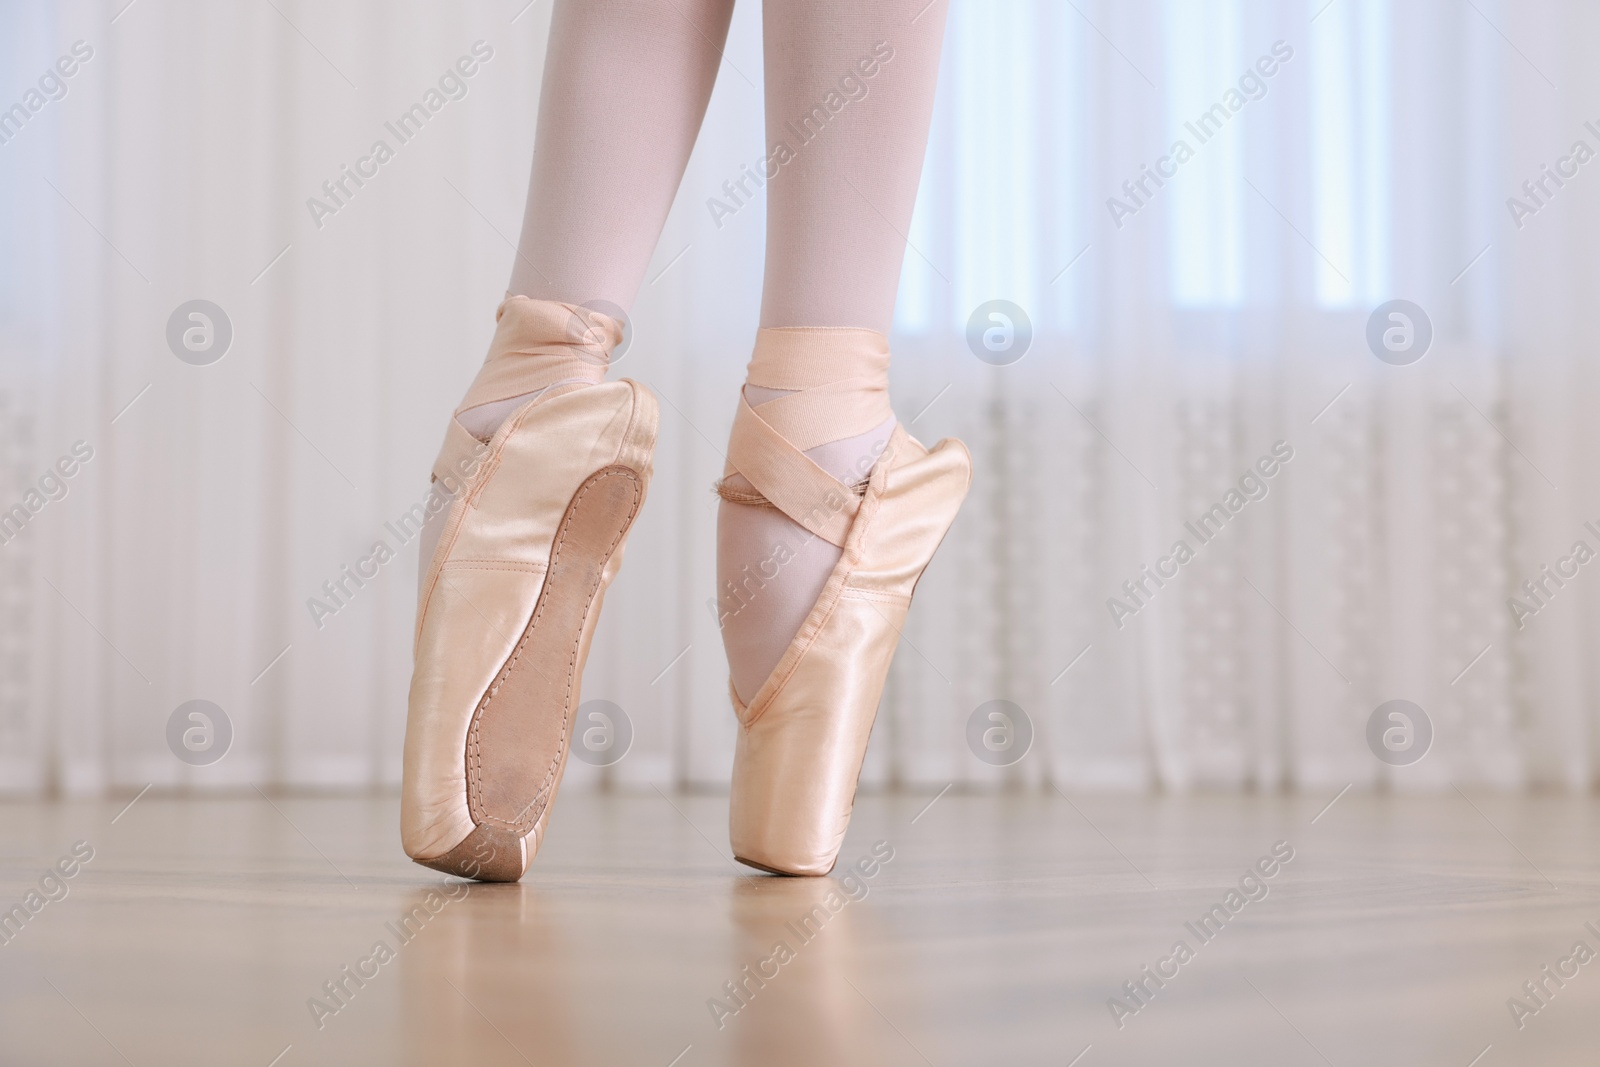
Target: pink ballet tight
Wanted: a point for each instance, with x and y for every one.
(836, 213)
(849, 96)
(626, 84)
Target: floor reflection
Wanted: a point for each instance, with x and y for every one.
(741, 969)
(468, 972)
(794, 993)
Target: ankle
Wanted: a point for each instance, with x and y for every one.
(541, 344)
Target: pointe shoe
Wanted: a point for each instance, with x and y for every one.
(509, 603)
(803, 736)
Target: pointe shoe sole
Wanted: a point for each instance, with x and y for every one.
(803, 738)
(777, 870)
(527, 701)
(510, 606)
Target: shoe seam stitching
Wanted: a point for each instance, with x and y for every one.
(474, 747)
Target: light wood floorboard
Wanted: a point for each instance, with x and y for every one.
(203, 927)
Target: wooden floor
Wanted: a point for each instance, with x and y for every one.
(204, 931)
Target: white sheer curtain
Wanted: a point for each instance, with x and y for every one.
(1177, 337)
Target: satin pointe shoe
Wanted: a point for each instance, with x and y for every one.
(803, 736)
(509, 603)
